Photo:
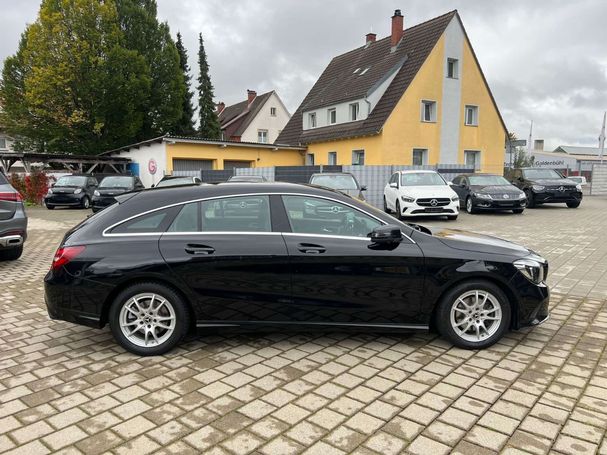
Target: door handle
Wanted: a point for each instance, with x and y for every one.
(311, 248)
(193, 248)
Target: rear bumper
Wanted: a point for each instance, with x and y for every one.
(10, 241)
(13, 232)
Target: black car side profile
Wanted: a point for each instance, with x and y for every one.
(161, 263)
(546, 186)
(488, 192)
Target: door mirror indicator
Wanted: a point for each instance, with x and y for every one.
(386, 234)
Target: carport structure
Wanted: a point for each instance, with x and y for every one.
(84, 164)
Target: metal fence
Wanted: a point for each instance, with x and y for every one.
(598, 184)
(373, 177)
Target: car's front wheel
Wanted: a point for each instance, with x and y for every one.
(86, 202)
(386, 209)
(149, 319)
(398, 212)
(473, 315)
(470, 206)
(530, 199)
(573, 205)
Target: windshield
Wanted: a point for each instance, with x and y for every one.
(337, 182)
(71, 180)
(174, 182)
(116, 182)
(421, 179)
(541, 174)
(486, 180)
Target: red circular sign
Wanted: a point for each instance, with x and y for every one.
(152, 166)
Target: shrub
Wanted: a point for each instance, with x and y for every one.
(32, 187)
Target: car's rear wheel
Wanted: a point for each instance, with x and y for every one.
(149, 319)
(11, 254)
(474, 314)
(573, 205)
(470, 206)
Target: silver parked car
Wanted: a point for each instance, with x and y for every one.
(13, 221)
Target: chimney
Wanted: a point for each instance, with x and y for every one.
(397, 28)
(220, 107)
(370, 38)
(251, 94)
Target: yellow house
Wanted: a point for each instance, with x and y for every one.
(416, 97)
(167, 154)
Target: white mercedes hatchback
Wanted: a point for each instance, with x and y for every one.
(420, 193)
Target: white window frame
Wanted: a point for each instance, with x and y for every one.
(332, 156)
(272, 112)
(474, 110)
(354, 111)
(424, 156)
(262, 134)
(433, 112)
(455, 63)
(357, 153)
(477, 159)
(312, 120)
(329, 115)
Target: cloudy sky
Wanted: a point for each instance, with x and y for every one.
(545, 60)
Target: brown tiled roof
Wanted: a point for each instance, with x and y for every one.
(247, 114)
(338, 82)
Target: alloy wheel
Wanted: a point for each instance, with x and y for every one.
(476, 315)
(469, 207)
(86, 203)
(147, 320)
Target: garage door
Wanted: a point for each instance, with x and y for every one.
(235, 164)
(190, 167)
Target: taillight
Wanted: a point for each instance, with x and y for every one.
(12, 196)
(64, 256)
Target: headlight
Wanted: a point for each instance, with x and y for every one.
(533, 270)
(522, 196)
(455, 199)
(538, 188)
(78, 191)
(405, 198)
(578, 187)
(96, 193)
(483, 196)
(50, 191)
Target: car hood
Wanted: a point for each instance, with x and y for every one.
(427, 191)
(472, 241)
(553, 182)
(495, 189)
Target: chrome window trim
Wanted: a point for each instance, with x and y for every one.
(327, 236)
(106, 232)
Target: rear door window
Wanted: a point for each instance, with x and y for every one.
(237, 214)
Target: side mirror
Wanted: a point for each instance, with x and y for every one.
(388, 234)
(450, 183)
(394, 185)
(363, 188)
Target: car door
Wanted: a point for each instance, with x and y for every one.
(225, 252)
(339, 276)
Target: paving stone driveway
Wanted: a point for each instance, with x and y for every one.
(70, 389)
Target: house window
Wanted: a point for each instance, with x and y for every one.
(419, 157)
(472, 115)
(312, 120)
(332, 158)
(332, 118)
(354, 111)
(3, 145)
(309, 159)
(273, 111)
(262, 136)
(428, 111)
(452, 68)
(472, 158)
(358, 157)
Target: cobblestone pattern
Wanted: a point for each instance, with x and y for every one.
(71, 389)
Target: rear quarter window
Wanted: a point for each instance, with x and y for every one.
(153, 222)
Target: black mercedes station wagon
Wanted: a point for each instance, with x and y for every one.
(164, 262)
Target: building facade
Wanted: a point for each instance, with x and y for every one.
(418, 96)
(260, 118)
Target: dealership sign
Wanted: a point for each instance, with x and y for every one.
(550, 163)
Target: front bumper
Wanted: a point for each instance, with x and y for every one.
(533, 302)
(414, 209)
(67, 199)
(555, 196)
(101, 202)
(499, 204)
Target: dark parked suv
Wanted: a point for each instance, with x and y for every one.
(13, 221)
(546, 186)
(71, 191)
(112, 186)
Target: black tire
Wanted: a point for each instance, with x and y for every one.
(86, 202)
(50, 207)
(180, 309)
(452, 298)
(386, 209)
(530, 199)
(11, 254)
(518, 211)
(470, 206)
(573, 205)
(398, 212)
(452, 217)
